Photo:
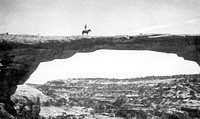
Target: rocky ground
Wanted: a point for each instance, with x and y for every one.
(167, 97)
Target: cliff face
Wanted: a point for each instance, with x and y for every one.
(20, 55)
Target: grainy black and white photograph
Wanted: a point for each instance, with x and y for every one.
(99, 59)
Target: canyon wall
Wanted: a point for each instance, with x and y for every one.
(20, 55)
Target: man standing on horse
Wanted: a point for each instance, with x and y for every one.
(85, 30)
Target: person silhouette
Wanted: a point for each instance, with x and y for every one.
(85, 27)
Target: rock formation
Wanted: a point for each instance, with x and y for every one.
(20, 55)
(27, 101)
(25, 92)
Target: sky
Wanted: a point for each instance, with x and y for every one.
(114, 64)
(103, 17)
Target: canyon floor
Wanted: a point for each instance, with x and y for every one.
(168, 97)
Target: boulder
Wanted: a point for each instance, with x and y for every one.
(193, 112)
(174, 114)
(27, 101)
(169, 115)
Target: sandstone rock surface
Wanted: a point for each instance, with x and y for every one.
(26, 93)
(27, 101)
(20, 55)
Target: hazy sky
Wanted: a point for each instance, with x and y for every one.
(114, 64)
(104, 17)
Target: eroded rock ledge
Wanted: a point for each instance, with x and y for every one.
(20, 55)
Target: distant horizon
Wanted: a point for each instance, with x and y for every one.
(118, 78)
(140, 34)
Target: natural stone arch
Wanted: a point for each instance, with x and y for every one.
(21, 54)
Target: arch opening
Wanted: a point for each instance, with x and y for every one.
(119, 64)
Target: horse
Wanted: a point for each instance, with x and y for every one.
(86, 31)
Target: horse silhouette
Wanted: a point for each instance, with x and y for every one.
(86, 31)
